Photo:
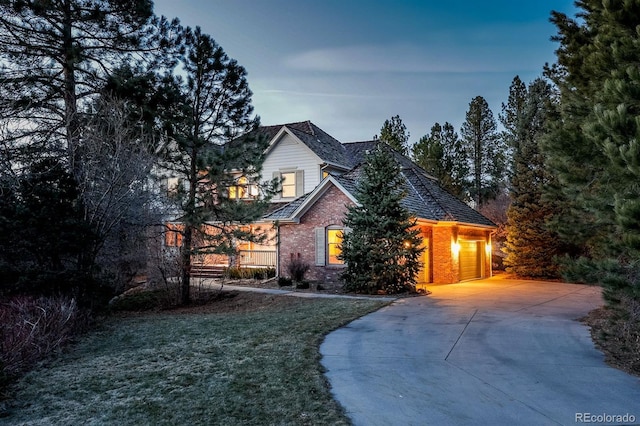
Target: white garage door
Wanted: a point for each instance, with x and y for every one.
(471, 259)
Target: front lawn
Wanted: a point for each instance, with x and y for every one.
(252, 360)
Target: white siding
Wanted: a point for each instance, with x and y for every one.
(288, 155)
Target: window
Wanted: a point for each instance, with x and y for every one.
(328, 242)
(334, 239)
(288, 184)
(291, 183)
(242, 189)
(173, 235)
(173, 185)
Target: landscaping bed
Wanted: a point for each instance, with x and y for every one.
(617, 335)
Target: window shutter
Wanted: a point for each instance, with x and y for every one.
(320, 247)
(299, 183)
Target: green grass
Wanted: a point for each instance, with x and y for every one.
(251, 368)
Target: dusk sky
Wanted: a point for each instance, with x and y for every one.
(347, 65)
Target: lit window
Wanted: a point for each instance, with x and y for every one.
(238, 191)
(173, 184)
(334, 239)
(288, 184)
(242, 189)
(173, 235)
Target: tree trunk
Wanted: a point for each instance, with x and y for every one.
(190, 218)
(187, 242)
(70, 98)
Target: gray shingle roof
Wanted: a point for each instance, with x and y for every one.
(428, 200)
(287, 210)
(425, 198)
(321, 143)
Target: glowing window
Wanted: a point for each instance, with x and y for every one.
(288, 184)
(334, 239)
(173, 235)
(242, 189)
(239, 190)
(173, 184)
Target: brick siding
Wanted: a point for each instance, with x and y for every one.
(298, 240)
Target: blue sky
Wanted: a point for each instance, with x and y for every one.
(347, 65)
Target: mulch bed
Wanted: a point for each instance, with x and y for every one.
(618, 338)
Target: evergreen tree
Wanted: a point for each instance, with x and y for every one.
(394, 133)
(382, 249)
(214, 134)
(485, 150)
(513, 118)
(531, 247)
(43, 234)
(56, 55)
(594, 146)
(442, 155)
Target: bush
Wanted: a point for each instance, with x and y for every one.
(236, 273)
(148, 300)
(284, 282)
(31, 329)
(297, 269)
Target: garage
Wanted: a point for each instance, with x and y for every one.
(471, 259)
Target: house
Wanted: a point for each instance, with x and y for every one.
(319, 175)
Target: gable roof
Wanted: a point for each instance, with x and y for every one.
(425, 198)
(325, 146)
(291, 212)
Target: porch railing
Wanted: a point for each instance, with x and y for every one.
(265, 258)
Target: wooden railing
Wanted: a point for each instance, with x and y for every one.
(266, 258)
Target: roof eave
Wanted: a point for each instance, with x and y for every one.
(464, 224)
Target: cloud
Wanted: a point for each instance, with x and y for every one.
(497, 49)
(314, 94)
(407, 59)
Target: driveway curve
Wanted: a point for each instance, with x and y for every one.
(496, 351)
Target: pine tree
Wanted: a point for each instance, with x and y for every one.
(594, 145)
(42, 257)
(382, 249)
(442, 155)
(531, 246)
(214, 134)
(485, 150)
(394, 133)
(56, 56)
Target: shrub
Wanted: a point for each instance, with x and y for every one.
(237, 273)
(148, 300)
(297, 269)
(284, 282)
(31, 329)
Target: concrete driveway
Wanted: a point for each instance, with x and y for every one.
(497, 351)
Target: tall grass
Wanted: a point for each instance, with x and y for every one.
(31, 329)
(236, 368)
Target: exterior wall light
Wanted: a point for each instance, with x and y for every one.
(455, 248)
